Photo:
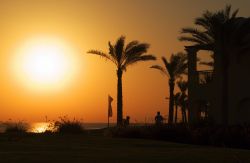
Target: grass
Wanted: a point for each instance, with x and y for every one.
(53, 148)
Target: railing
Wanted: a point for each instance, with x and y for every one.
(205, 77)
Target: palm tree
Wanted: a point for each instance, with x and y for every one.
(183, 99)
(217, 35)
(123, 56)
(173, 68)
(176, 103)
(210, 25)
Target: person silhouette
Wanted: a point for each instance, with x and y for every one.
(126, 121)
(158, 119)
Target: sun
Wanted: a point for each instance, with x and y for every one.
(44, 63)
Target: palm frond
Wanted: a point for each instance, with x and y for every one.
(200, 21)
(175, 66)
(178, 63)
(168, 66)
(191, 39)
(161, 69)
(131, 45)
(227, 11)
(191, 31)
(199, 35)
(234, 14)
(102, 54)
(134, 52)
(182, 69)
(133, 60)
(211, 25)
(119, 48)
(137, 49)
(112, 50)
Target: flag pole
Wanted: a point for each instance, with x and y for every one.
(108, 110)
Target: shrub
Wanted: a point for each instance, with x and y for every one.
(67, 126)
(15, 130)
(18, 127)
(127, 132)
(231, 136)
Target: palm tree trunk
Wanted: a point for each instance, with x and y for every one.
(119, 97)
(176, 112)
(171, 101)
(184, 115)
(225, 92)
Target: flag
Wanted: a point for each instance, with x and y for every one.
(110, 113)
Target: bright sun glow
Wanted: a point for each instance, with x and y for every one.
(45, 63)
(41, 127)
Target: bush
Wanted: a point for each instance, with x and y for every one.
(232, 136)
(15, 130)
(19, 127)
(164, 132)
(127, 132)
(67, 126)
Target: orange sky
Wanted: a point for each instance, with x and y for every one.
(89, 24)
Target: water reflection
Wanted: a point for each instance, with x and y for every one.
(41, 127)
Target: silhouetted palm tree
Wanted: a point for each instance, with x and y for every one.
(220, 32)
(176, 103)
(173, 68)
(183, 99)
(208, 36)
(123, 56)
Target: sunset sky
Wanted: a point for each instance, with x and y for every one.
(80, 83)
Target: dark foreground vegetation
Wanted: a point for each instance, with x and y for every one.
(166, 143)
(62, 126)
(65, 125)
(94, 147)
(16, 127)
(231, 137)
(237, 136)
(72, 143)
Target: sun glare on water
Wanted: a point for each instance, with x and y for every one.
(41, 127)
(44, 63)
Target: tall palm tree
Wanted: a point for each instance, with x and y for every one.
(174, 68)
(183, 99)
(207, 34)
(219, 32)
(123, 56)
(176, 103)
